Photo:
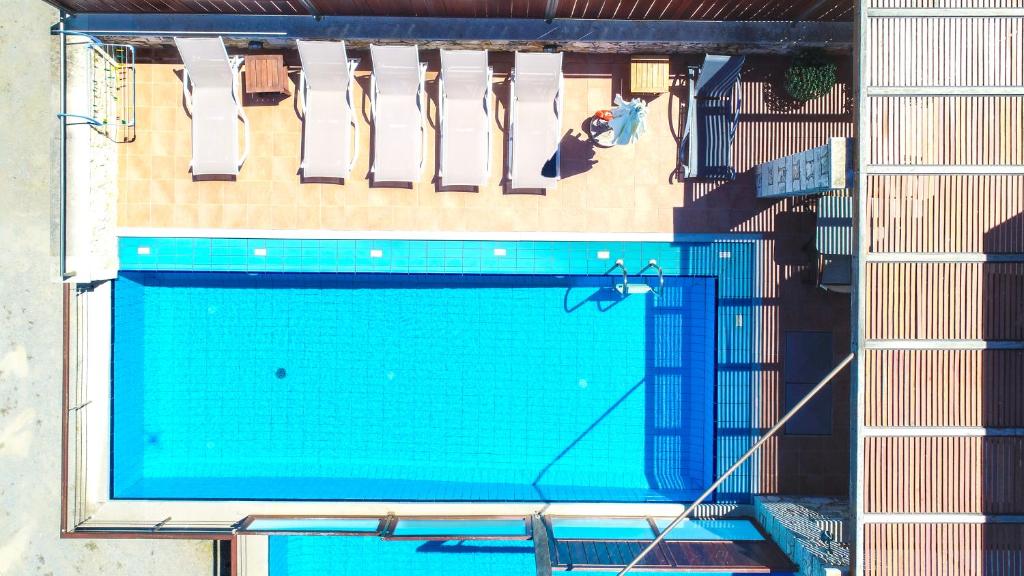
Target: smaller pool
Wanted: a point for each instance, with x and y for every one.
(360, 555)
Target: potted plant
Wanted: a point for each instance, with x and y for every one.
(811, 75)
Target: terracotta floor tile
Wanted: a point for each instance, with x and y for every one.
(137, 213)
(210, 215)
(234, 216)
(160, 215)
(308, 217)
(213, 193)
(259, 216)
(308, 195)
(619, 189)
(184, 215)
(380, 218)
(284, 169)
(182, 143)
(188, 193)
(283, 217)
(252, 192)
(164, 119)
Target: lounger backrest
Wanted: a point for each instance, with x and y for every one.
(464, 73)
(396, 69)
(538, 76)
(325, 65)
(206, 60)
(718, 75)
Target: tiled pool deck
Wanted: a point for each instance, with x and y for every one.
(622, 189)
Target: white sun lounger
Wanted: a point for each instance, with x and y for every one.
(535, 120)
(330, 133)
(464, 109)
(398, 102)
(210, 86)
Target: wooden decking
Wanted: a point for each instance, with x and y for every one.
(671, 556)
(941, 315)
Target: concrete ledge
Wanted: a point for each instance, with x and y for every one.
(492, 33)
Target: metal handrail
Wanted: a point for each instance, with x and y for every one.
(652, 263)
(753, 449)
(625, 274)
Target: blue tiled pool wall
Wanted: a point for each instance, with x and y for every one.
(730, 261)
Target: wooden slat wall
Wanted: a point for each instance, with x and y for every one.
(945, 300)
(961, 213)
(948, 130)
(918, 219)
(271, 7)
(944, 388)
(830, 10)
(936, 56)
(943, 549)
(437, 8)
(949, 475)
(946, 4)
(696, 10)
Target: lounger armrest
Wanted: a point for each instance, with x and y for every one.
(245, 136)
(352, 65)
(510, 162)
(440, 122)
(300, 95)
(373, 112)
(236, 66)
(487, 109)
(558, 115)
(186, 91)
(736, 114)
(422, 95)
(686, 160)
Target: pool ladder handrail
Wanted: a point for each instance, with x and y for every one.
(652, 263)
(625, 275)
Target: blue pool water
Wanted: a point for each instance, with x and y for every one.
(230, 385)
(361, 555)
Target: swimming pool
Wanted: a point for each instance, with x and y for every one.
(364, 386)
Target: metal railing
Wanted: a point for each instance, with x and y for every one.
(753, 449)
(652, 263)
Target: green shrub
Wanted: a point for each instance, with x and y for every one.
(811, 75)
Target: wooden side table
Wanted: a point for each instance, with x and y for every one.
(648, 74)
(266, 74)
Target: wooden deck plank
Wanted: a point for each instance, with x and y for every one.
(929, 213)
(945, 300)
(943, 549)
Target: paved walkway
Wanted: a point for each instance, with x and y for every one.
(30, 328)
